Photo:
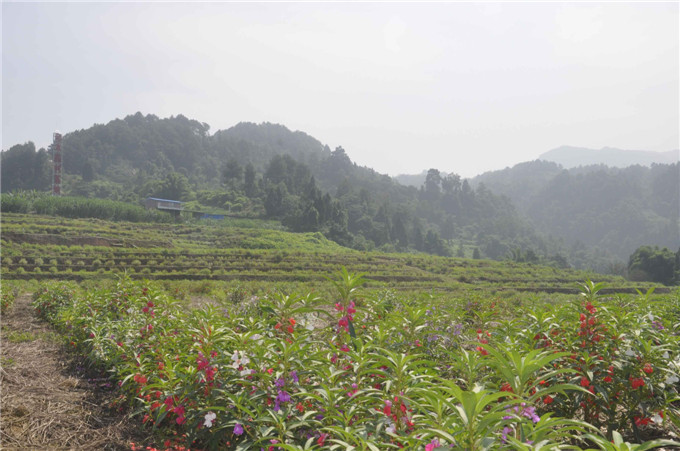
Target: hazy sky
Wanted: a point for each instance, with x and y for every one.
(463, 87)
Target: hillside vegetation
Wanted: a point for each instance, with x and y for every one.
(42, 247)
(611, 209)
(588, 218)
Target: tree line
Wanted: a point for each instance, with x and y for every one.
(268, 171)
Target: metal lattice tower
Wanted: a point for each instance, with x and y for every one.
(56, 164)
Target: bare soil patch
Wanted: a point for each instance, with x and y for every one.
(47, 399)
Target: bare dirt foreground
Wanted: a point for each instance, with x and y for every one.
(48, 401)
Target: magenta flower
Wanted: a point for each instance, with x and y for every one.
(434, 444)
(238, 429)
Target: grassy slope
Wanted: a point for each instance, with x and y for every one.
(40, 247)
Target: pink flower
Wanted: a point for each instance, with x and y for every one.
(322, 439)
(434, 444)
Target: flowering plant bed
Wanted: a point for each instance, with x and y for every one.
(299, 372)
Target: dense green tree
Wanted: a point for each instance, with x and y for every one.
(232, 173)
(273, 202)
(432, 187)
(249, 185)
(24, 168)
(174, 186)
(652, 263)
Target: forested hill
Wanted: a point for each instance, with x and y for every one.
(617, 209)
(592, 217)
(573, 157)
(271, 172)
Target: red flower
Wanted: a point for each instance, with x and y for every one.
(506, 387)
(648, 368)
(548, 400)
(322, 439)
(584, 382)
(388, 408)
(641, 421)
(637, 382)
(608, 378)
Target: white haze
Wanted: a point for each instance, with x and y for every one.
(463, 87)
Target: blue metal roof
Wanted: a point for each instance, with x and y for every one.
(165, 200)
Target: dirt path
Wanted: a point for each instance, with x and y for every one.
(47, 400)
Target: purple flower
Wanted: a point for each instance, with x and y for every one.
(294, 376)
(280, 382)
(282, 397)
(238, 429)
(504, 434)
(530, 412)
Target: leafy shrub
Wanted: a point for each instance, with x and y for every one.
(383, 372)
(8, 294)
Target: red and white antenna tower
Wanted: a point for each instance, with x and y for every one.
(56, 164)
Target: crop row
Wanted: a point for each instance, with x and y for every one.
(381, 372)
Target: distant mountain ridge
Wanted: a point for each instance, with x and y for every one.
(572, 157)
(589, 216)
(614, 209)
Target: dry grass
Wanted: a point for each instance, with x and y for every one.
(46, 400)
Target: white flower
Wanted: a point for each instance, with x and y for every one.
(630, 353)
(209, 418)
(238, 361)
(670, 380)
(657, 419)
(666, 355)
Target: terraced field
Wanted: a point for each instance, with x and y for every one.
(42, 247)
